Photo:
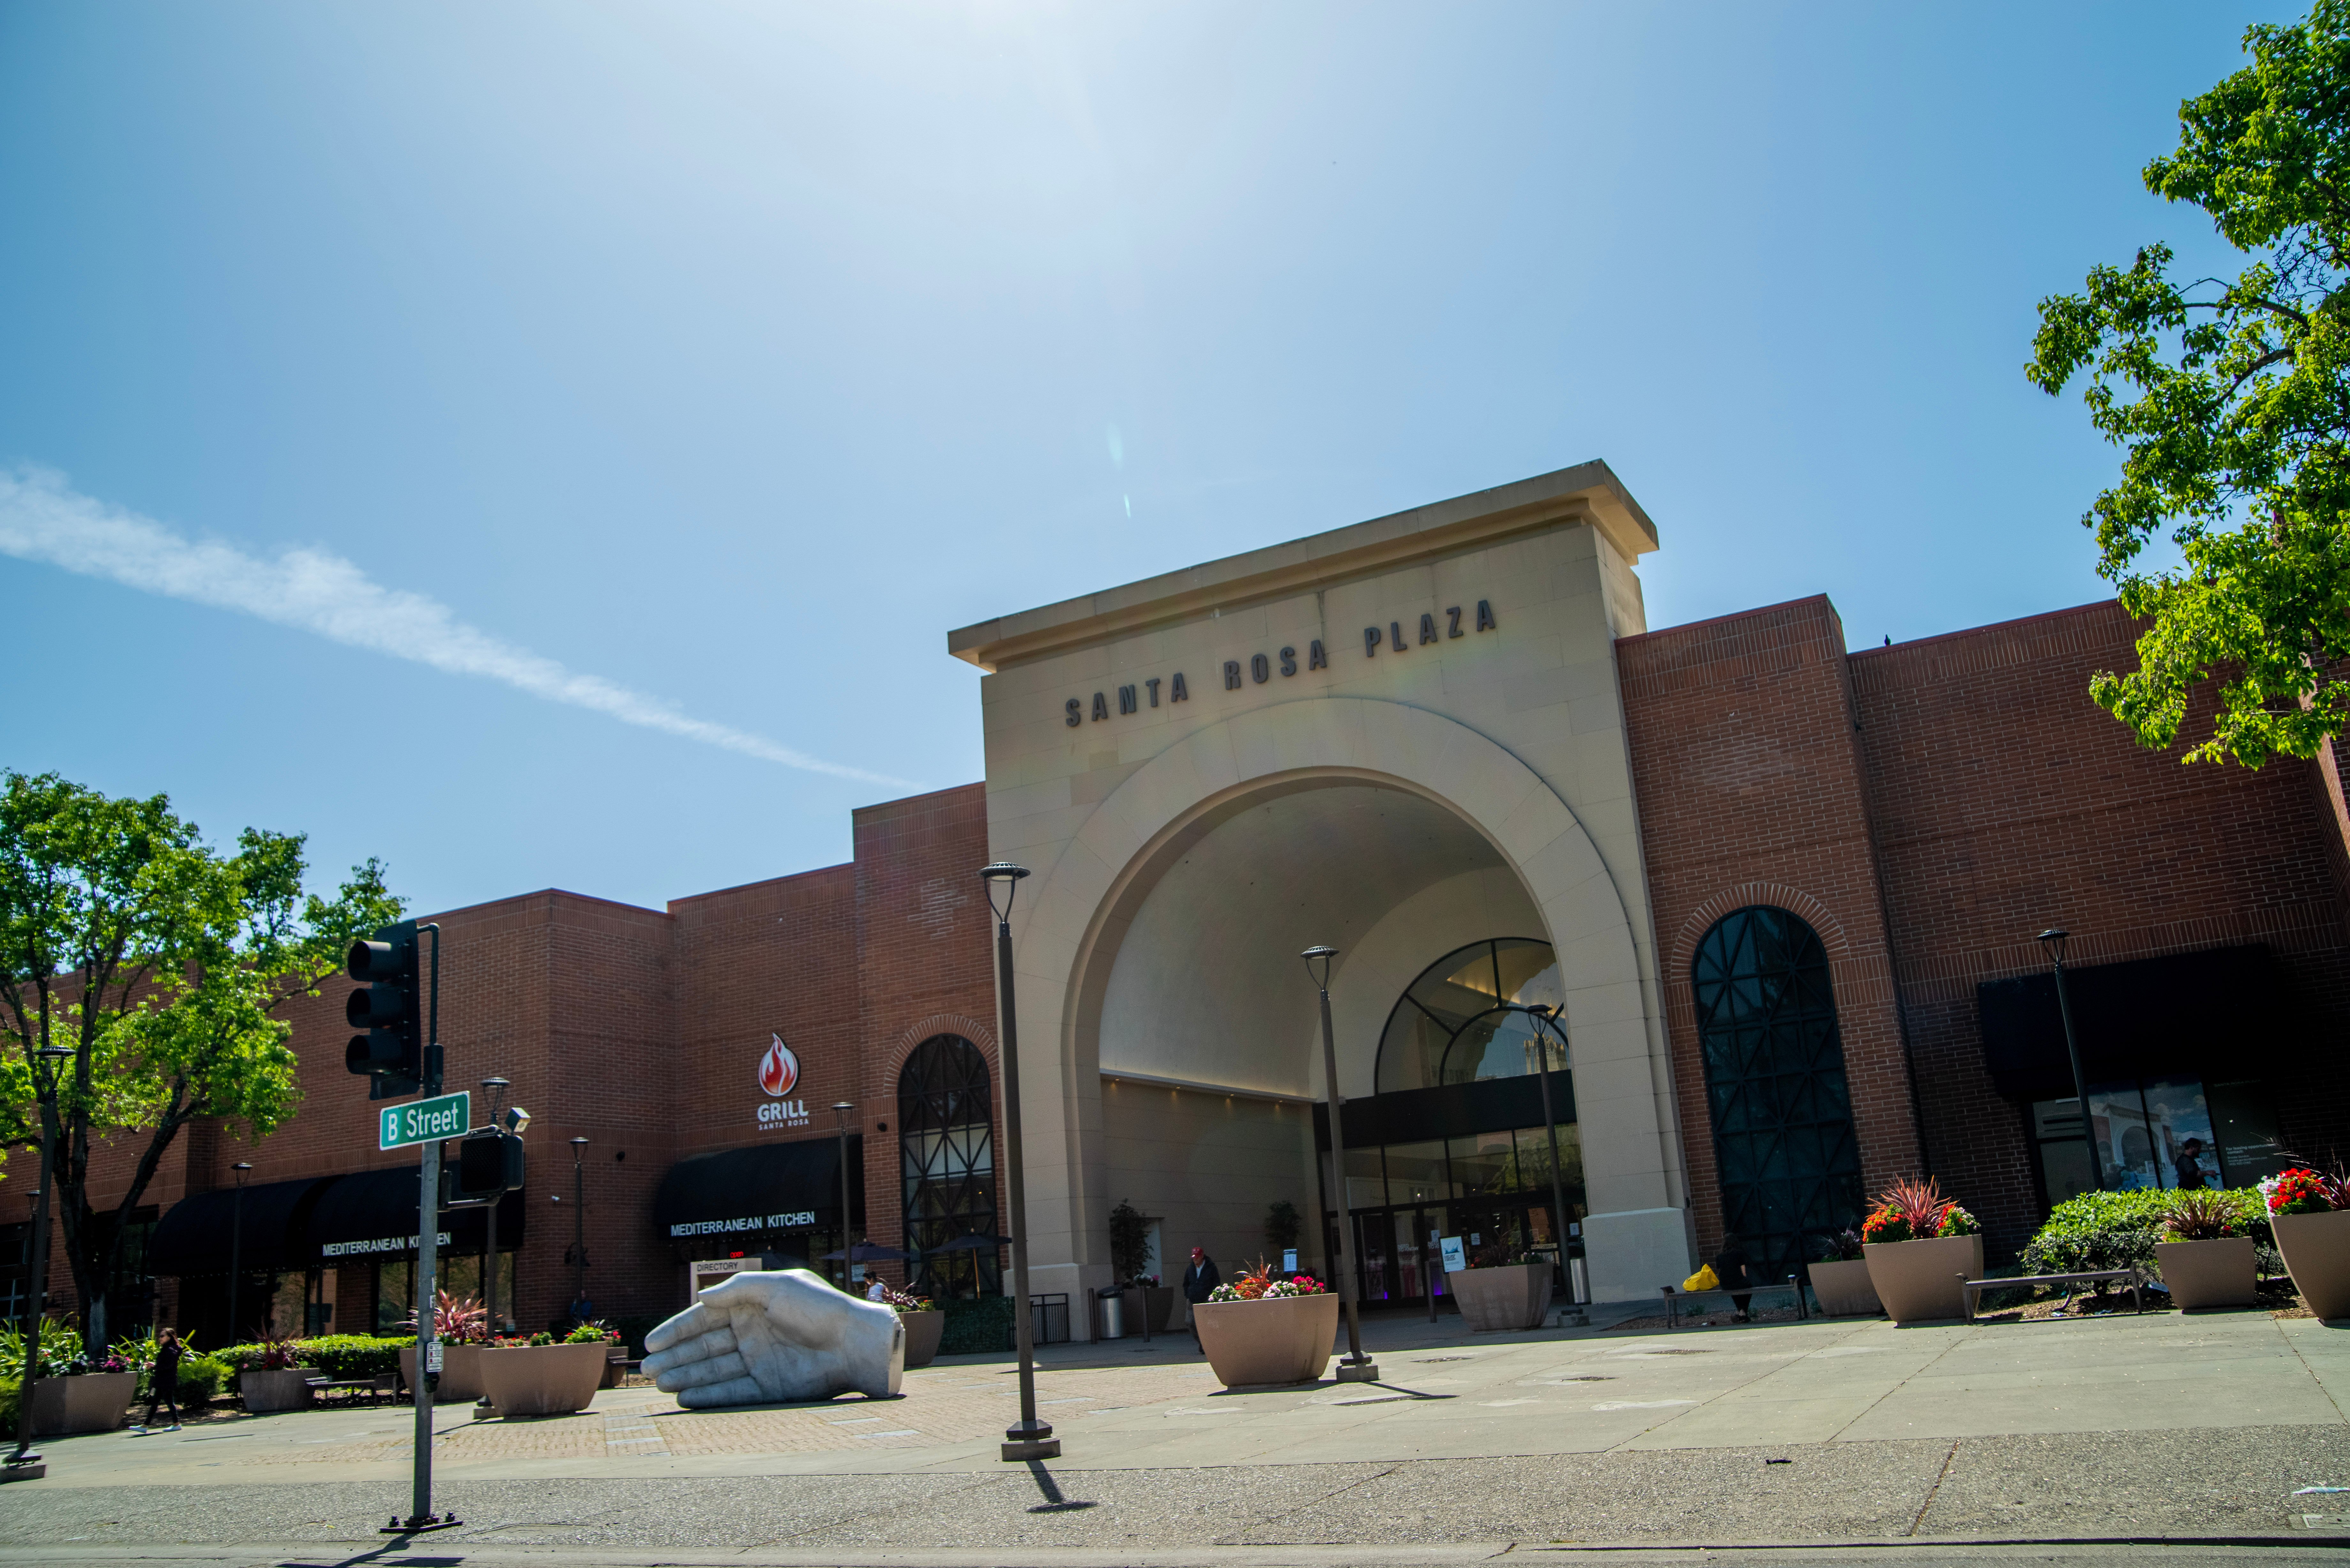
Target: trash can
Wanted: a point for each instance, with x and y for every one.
(1113, 1313)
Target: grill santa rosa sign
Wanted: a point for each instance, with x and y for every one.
(427, 1121)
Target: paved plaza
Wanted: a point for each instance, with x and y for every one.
(2196, 1429)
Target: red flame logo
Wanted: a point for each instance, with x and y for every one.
(778, 1069)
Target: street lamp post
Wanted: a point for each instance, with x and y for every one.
(236, 1243)
(840, 1109)
(1030, 1438)
(2052, 938)
(23, 1455)
(493, 1090)
(1358, 1368)
(578, 1221)
(1546, 1018)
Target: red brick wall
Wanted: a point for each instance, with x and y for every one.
(1929, 807)
(2007, 802)
(1751, 791)
(926, 965)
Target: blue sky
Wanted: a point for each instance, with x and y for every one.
(671, 379)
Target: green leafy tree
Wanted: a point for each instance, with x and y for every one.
(161, 965)
(2230, 401)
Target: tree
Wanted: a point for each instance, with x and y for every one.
(1130, 1241)
(2230, 400)
(161, 964)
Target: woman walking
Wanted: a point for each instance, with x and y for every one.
(163, 1382)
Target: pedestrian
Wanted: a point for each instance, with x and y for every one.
(1736, 1275)
(2189, 1165)
(582, 1309)
(1200, 1281)
(162, 1382)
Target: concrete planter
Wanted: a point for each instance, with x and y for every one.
(1917, 1282)
(1159, 1299)
(2316, 1249)
(266, 1393)
(922, 1332)
(91, 1402)
(1288, 1340)
(1844, 1290)
(460, 1372)
(541, 1379)
(1510, 1297)
(2216, 1274)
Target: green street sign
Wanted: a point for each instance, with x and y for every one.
(427, 1121)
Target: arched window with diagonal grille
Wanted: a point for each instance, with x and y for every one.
(1775, 1084)
(947, 1152)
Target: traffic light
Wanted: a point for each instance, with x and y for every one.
(389, 1007)
(488, 1166)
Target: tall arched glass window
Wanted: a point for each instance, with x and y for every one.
(946, 1141)
(1774, 1083)
(1450, 1028)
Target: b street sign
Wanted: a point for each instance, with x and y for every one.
(427, 1121)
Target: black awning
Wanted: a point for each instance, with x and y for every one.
(769, 1188)
(1447, 1110)
(2177, 1016)
(372, 1214)
(269, 1227)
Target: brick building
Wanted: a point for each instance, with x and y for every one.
(1781, 897)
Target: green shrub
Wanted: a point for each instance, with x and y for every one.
(334, 1354)
(973, 1327)
(202, 1379)
(2119, 1229)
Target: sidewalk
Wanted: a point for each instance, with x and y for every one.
(1834, 1429)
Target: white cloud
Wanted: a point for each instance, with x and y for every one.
(43, 519)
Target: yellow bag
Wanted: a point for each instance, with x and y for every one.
(1703, 1279)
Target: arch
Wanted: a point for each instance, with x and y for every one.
(1785, 1153)
(1085, 899)
(1439, 1005)
(979, 1033)
(1744, 895)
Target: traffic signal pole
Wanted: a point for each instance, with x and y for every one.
(428, 1236)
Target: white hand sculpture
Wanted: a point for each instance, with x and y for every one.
(769, 1338)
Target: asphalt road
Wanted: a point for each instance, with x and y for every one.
(2187, 1486)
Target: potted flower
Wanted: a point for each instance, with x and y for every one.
(921, 1320)
(463, 1327)
(1262, 1328)
(274, 1380)
(542, 1376)
(2308, 1213)
(1842, 1282)
(2202, 1261)
(1919, 1245)
(72, 1390)
(1505, 1288)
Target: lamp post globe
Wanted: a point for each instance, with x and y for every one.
(1030, 1437)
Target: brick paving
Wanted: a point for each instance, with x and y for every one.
(951, 1406)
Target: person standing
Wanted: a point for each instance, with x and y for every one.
(2189, 1166)
(1736, 1274)
(1200, 1281)
(162, 1382)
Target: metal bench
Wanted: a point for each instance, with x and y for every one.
(1973, 1289)
(1674, 1298)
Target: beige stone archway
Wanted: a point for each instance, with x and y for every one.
(1074, 915)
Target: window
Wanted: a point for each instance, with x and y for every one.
(946, 1145)
(1449, 1026)
(1774, 1081)
(2143, 1128)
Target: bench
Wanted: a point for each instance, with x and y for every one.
(350, 1388)
(1973, 1289)
(1674, 1298)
